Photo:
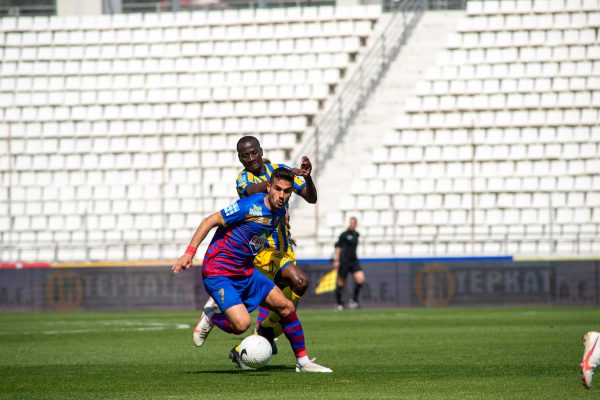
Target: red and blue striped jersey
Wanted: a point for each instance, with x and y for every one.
(281, 238)
(245, 227)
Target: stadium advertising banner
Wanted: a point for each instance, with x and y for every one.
(389, 283)
(468, 282)
(98, 288)
(472, 283)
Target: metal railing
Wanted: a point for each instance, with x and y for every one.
(332, 124)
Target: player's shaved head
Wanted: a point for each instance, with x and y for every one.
(250, 154)
(247, 139)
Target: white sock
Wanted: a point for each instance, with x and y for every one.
(302, 360)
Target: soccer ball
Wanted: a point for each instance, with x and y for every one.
(255, 351)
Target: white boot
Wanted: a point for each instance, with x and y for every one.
(591, 357)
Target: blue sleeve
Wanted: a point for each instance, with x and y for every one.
(234, 212)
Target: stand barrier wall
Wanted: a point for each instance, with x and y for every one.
(431, 282)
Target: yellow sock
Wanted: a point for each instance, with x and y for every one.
(272, 320)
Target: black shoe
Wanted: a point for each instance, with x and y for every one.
(268, 334)
(234, 356)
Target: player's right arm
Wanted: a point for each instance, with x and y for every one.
(309, 190)
(185, 261)
(338, 252)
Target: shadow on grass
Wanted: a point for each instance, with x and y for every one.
(261, 371)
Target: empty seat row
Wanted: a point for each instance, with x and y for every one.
(257, 126)
(273, 62)
(259, 16)
(83, 199)
(482, 217)
(200, 179)
(188, 111)
(136, 246)
(507, 118)
(57, 81)
(586, 70)
(24, 78)
(523, 38)
(219, 36)
(493, 55)
(536, 202)
(450, 245)
(298, 99)
(517, 86)
(479, 184)
(550, 165)
(526, 7)
(461, 136)
(531, 21)
(118, 161)
(116, 214)
(487, 152)
(450, 201)
(208, 110)
(129, 145)
(141, 51)
(503, 101)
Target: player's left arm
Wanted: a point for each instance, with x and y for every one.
(309, 191)
(254, 188)
(185, 261)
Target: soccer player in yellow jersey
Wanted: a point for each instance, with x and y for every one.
(276, 260)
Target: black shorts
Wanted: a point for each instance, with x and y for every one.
(346, 267)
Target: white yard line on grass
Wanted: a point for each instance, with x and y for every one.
(129, 327)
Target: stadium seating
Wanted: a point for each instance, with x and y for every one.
(497, 150)
(119, 132)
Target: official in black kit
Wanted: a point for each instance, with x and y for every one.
(346, 262)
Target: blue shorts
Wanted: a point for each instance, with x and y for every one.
(228, 291)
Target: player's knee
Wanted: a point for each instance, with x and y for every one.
(300, 283)
(240, 325)
(240, 328)
(286, 309)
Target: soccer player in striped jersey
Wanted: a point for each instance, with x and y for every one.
(277, 259)
(235, 286)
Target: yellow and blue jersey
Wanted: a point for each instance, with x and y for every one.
(280, 239)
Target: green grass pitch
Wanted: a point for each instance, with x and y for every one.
(492, 353)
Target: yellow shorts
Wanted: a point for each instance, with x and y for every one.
(271, 262)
